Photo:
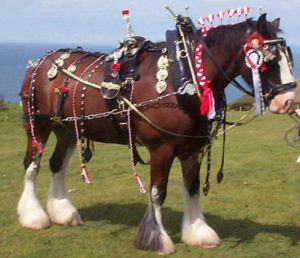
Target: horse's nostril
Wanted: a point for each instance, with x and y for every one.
(287, 104)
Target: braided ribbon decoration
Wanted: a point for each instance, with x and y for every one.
(207, 22)
(83, 169)
(136, 176)
(207, 106)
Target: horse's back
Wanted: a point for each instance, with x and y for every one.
(45, 80)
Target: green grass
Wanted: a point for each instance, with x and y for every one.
(255, 210)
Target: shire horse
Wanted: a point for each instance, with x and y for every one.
(91, 115)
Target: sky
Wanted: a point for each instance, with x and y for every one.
(99, 22)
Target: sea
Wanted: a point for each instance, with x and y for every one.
(14, 58)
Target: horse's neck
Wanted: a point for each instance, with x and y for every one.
(227, 60)
(226, 44)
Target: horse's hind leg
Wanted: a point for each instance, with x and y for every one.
(195, 231)
(151, 234)
(60, 209)
(31, 214)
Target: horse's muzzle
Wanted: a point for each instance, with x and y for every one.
(279, 89)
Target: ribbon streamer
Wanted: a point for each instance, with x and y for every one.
(254, 60)
(260, 105)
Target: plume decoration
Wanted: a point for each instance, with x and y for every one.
(126, 17)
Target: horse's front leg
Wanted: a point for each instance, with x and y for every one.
(195, 231)
(151, 234)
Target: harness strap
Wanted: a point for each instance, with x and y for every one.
(206, 186)
(133, 107)
(220, 174)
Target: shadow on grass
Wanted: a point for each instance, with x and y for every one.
(130, 215)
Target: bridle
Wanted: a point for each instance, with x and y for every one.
(276, 89)
(283, 45)
(273, 89)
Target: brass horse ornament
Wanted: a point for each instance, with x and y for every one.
(80, 95)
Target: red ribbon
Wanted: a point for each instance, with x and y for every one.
(125, 12)
(206, 101)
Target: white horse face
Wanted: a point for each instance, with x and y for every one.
(282, 102)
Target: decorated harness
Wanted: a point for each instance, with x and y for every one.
(185, 47)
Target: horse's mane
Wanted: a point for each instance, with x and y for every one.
(225, 35)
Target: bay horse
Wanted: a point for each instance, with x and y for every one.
(180, 131)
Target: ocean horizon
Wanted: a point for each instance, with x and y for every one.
(14, 58)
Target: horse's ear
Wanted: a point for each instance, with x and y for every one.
(276, 23)
(261, 25)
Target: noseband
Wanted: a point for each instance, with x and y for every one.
(278, 89)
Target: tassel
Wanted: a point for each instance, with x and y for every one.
(140, 183)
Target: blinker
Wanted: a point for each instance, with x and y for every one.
(287, 49)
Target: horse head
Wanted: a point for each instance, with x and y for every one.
(268, 54)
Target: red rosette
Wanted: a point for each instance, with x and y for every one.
(255, 40)
(115, 67)
(63, 89)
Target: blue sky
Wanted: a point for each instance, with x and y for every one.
(100, 22)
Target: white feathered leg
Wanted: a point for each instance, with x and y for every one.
(195, 231)
(60, 209)
(31, 214)
(151, 234)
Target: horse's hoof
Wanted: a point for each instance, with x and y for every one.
(167, 247)
(163, 246)
(152, 237)
(34, 220)
(203, 236)
(62, 212)
(32, 215)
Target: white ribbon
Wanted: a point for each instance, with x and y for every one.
(211, 112)
(254, 60)
(260, 105)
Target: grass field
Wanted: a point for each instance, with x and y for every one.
(256, 209)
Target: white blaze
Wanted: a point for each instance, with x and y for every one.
(285, 72)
